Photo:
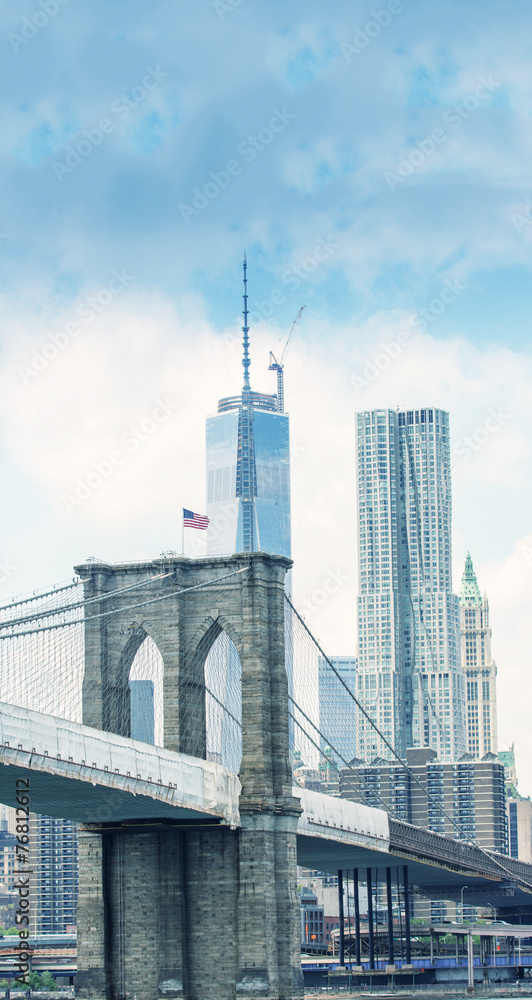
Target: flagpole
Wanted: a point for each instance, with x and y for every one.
(182, 532)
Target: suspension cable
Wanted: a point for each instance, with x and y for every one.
(39, 597)
(49, 613)
(131, 607)
(333, 748)
(402, 762)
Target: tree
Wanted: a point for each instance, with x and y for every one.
(48, 982)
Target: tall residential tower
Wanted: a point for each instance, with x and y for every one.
(248, 469)
(410, 679)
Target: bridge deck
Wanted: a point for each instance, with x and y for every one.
(93, 777)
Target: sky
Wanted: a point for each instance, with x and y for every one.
(373, 162)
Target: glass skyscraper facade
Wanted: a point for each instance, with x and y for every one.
(248, 469)
(410, 679)
(259, 521)
(248, 506)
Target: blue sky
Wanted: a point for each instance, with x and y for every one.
(374, 163)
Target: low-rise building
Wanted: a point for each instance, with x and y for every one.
(312, 920)
(53, 857)
(464, 799)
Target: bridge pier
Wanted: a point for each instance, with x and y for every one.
(201, 913)
(193, 910)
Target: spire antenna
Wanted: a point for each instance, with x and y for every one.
(246, 361)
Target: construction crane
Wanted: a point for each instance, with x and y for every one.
(277, 366)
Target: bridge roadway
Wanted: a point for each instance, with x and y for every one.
(91, 777)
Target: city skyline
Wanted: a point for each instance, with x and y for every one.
(121, 310)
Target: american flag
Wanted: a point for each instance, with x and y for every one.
(191, 520)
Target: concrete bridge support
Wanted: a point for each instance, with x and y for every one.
(200, 912)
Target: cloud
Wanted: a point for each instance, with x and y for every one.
(173, 333)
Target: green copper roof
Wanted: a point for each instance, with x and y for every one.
(470, 590)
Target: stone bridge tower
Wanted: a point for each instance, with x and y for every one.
(188, 910)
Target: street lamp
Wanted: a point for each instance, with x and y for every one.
(462, 903)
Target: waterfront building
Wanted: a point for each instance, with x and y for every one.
(463, 799)
(410, 679)
(519, 815)
(248, 468)
(478, 666)
(8, 857)
(518, 810)
(312, 920)
(53, 863)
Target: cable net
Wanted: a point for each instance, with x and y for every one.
(322, 711)
(42, 655)
(42, 658)
(42, 652)
(42, 661)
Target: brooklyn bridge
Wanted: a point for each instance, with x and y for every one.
(190, 837)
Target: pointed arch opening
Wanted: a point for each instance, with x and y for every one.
(210, 698)
(145, 688)
(223, 703)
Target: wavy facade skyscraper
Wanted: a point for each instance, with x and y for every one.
(410, 678)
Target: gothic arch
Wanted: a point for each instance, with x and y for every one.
(186, 604)
(207, 633)
(116, 702)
